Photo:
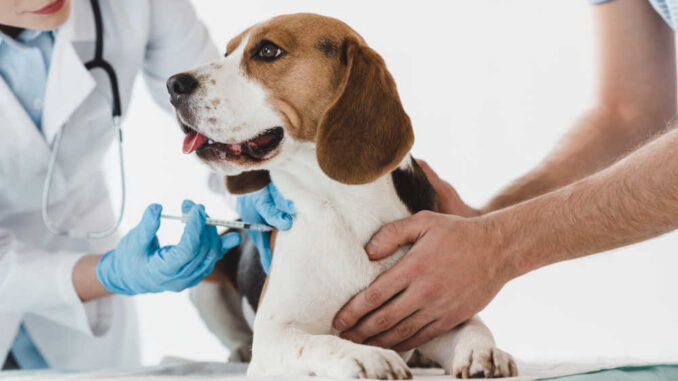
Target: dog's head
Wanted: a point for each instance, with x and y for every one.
(293, 80)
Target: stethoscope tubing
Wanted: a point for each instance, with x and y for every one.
(97, 63)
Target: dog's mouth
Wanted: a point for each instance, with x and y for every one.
(256, 149)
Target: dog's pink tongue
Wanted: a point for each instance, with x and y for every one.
(193, 141)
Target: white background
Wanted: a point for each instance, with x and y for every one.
(490, 86)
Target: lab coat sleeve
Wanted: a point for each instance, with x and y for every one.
(40, 283)
(177, 41)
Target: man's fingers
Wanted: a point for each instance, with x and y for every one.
(424, 335)
(395, 234)
(379, 292)
(403, 331)
(449, 201)
(431, 175)
(384, 319)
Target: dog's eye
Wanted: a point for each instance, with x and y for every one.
(269, 51)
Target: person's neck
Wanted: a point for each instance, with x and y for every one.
(11, 31)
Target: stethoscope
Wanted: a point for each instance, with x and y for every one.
(97, 63)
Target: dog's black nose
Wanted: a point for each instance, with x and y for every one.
(181, 85)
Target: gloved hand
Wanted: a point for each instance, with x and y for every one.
(266, 206)
(139, 265)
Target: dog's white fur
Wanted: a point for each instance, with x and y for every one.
(320, 263)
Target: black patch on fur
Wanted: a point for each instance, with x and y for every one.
(251, 275)
(327, 47)
(242, 267)
(413, 188)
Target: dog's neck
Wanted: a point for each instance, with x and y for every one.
(362, 207)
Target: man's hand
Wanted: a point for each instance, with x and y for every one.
(450, 273)
(449, 201)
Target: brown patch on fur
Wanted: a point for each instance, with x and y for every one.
(331, 88)
(303, 82)
(213, 82)
(263, 290)
(225, 270)
(247, 182)
(328, 46)
(366, 132)
(216, 102)
(274, 235)
(212, 120)
(218, 276)
(235, 42)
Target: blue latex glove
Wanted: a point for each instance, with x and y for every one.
(139, 265)
(266, 206)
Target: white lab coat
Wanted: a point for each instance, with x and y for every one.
(156, 37)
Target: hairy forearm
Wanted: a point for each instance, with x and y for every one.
(599, 139)
(85, 281)
(632, 200)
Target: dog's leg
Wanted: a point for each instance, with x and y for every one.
(469, 351)
(289, 349)
(220, 307)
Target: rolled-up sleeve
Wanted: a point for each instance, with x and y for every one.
(178, 41)
(596, 2)
(40, 283)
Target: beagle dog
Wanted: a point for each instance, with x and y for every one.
(303, 101)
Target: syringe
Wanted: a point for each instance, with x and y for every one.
(224, 223)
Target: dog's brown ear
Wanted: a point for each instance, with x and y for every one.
(365, 132)
(247, 182)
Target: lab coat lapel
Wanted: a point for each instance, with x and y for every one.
(15, 124)
(69, 83)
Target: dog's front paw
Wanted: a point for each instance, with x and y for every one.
(483, 363)
(368, 362)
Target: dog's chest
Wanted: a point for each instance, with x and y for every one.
(321, 261)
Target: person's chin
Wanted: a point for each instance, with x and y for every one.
(53, 21)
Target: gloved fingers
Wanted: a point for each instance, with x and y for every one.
(209, 235)
(230, 241)
(199, 275)
(265, 259)
(186, 206)
(145, 231)
(262, 240)
(271, 214)
(208, 249)
(204, 270)
(190, 239)
(188, 268)
(155, 245)
(280, 202)
(210, 261)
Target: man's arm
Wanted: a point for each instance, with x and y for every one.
(631, 201)
(456, 266)
(635, 100)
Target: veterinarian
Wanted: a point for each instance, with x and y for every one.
(612, 181)
(57, 307)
